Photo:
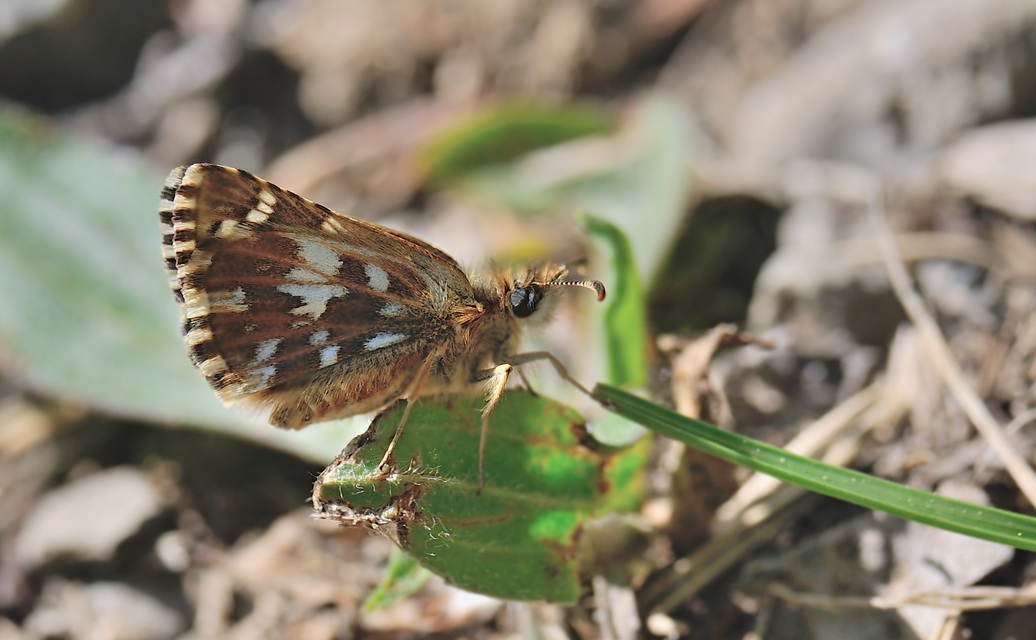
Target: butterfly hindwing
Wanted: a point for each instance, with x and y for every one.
(289, 305)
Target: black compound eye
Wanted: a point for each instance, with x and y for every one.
(524, 301)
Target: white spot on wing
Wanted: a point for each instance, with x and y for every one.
(319, 257)
(257, 217)
(266, 350)
(267, 197)
(332, 226)
(377, 279)
(329, 355)
(319, 337)
(314, 297)
(261, 378)
(231, 230)
(382, 340)
(391, 310)
(298, 274)
(226, 229)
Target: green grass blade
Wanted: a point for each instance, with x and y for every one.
(625, 325)
(504, 133)
(987, 523)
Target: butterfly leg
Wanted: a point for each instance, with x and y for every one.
(525, 383)
(395, 436)
(411, 396)
(497, 380)
(532, 356)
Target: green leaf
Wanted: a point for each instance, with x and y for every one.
(502, 134)
(87, 315)
(403, 577)
(625, 336)
(646, 196)
(519, 537)
(625, 322)
(637, 178)
(987, 523)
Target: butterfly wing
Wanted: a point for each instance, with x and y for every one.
(290, 306)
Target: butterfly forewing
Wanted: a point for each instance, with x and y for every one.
(290, 305)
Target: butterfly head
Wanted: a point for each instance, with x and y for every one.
(533, 293)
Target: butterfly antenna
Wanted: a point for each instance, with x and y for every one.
(595, 285)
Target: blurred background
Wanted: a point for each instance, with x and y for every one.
(736, 144)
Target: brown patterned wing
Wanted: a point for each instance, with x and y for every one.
(290, 306)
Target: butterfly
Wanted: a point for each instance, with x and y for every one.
(292, 308)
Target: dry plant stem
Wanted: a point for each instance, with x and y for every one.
(965, 599)
(950, 628)
(922, 245)
(942, 359)
(691, 361)
(690, 574)
(756, 522)
(1019, 421)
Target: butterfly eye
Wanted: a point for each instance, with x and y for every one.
(524, 301)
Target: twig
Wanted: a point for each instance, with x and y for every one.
(945, 364)
(757, 523)
(980, 598)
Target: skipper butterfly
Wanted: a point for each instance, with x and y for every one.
(313, 315)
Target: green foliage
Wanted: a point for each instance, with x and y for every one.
(503, 134)
(518, 538)
(625, 322)
(403, 578)
(636, 177)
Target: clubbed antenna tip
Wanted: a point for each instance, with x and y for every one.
(595, 285)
